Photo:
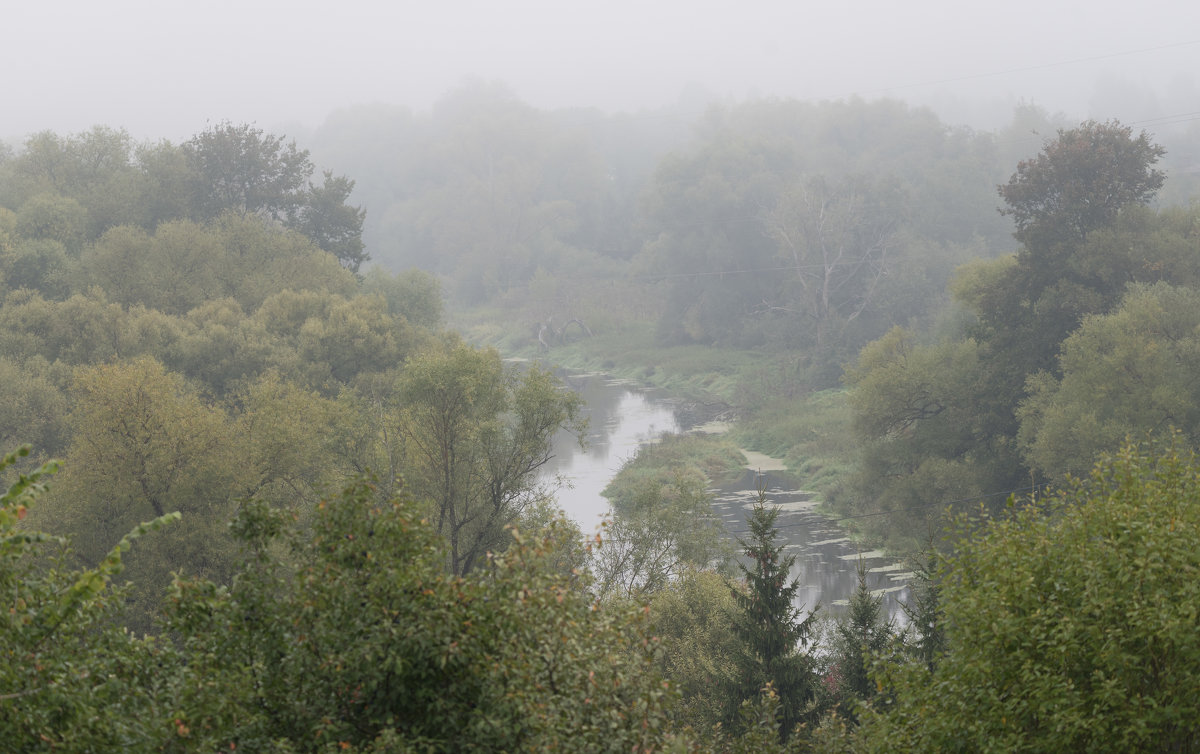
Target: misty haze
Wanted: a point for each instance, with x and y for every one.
(600, 377)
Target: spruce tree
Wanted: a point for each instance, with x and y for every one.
(861, 635)
(924, 611)
(773, 631)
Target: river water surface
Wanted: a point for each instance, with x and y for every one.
(623, 416)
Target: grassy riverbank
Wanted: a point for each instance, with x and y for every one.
(710, 459)
(761, 392)
(691, 372)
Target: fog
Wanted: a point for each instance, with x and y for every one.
(164, 68)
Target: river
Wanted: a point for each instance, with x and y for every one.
(623, 416)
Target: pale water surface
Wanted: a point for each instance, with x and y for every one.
(623, 417)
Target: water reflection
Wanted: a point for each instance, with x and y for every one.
(621, 419)
(826, 559)
(624, 417)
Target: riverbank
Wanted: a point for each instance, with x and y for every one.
(694, 487)
(746, 395)
(759, 399)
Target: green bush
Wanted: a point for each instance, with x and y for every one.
(1071, 624)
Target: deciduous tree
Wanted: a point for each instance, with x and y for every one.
(144, 445)
(332, 224)
(836, 237)
(70, 678)
(413, 294)
(361, 641)
(660, 528)
(693, 615)
(1079, 183)
(1131, 373)
(475, 434)
(924, 440)
(1070, 623)
(240, 168)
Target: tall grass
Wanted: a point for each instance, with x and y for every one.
(810, 432)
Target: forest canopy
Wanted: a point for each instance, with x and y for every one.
(296, 511)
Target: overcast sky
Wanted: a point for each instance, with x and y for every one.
(166, 68)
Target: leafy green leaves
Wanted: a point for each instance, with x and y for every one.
(69, 677)
(1131, 373)
(475, 434)
(1070, 623)
(361, 636)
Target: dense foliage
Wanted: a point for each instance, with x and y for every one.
(1036, 381)
(347, 634)
(475, 433)
(183, 324)
(1070, 623)
(187, 326)
(69, 680)
(662, 524)
(74, 189)
(356, 634)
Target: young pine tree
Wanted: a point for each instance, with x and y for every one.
(861, 635)
(772, 631)
(924, 611)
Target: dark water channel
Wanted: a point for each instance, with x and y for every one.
(623, 417)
